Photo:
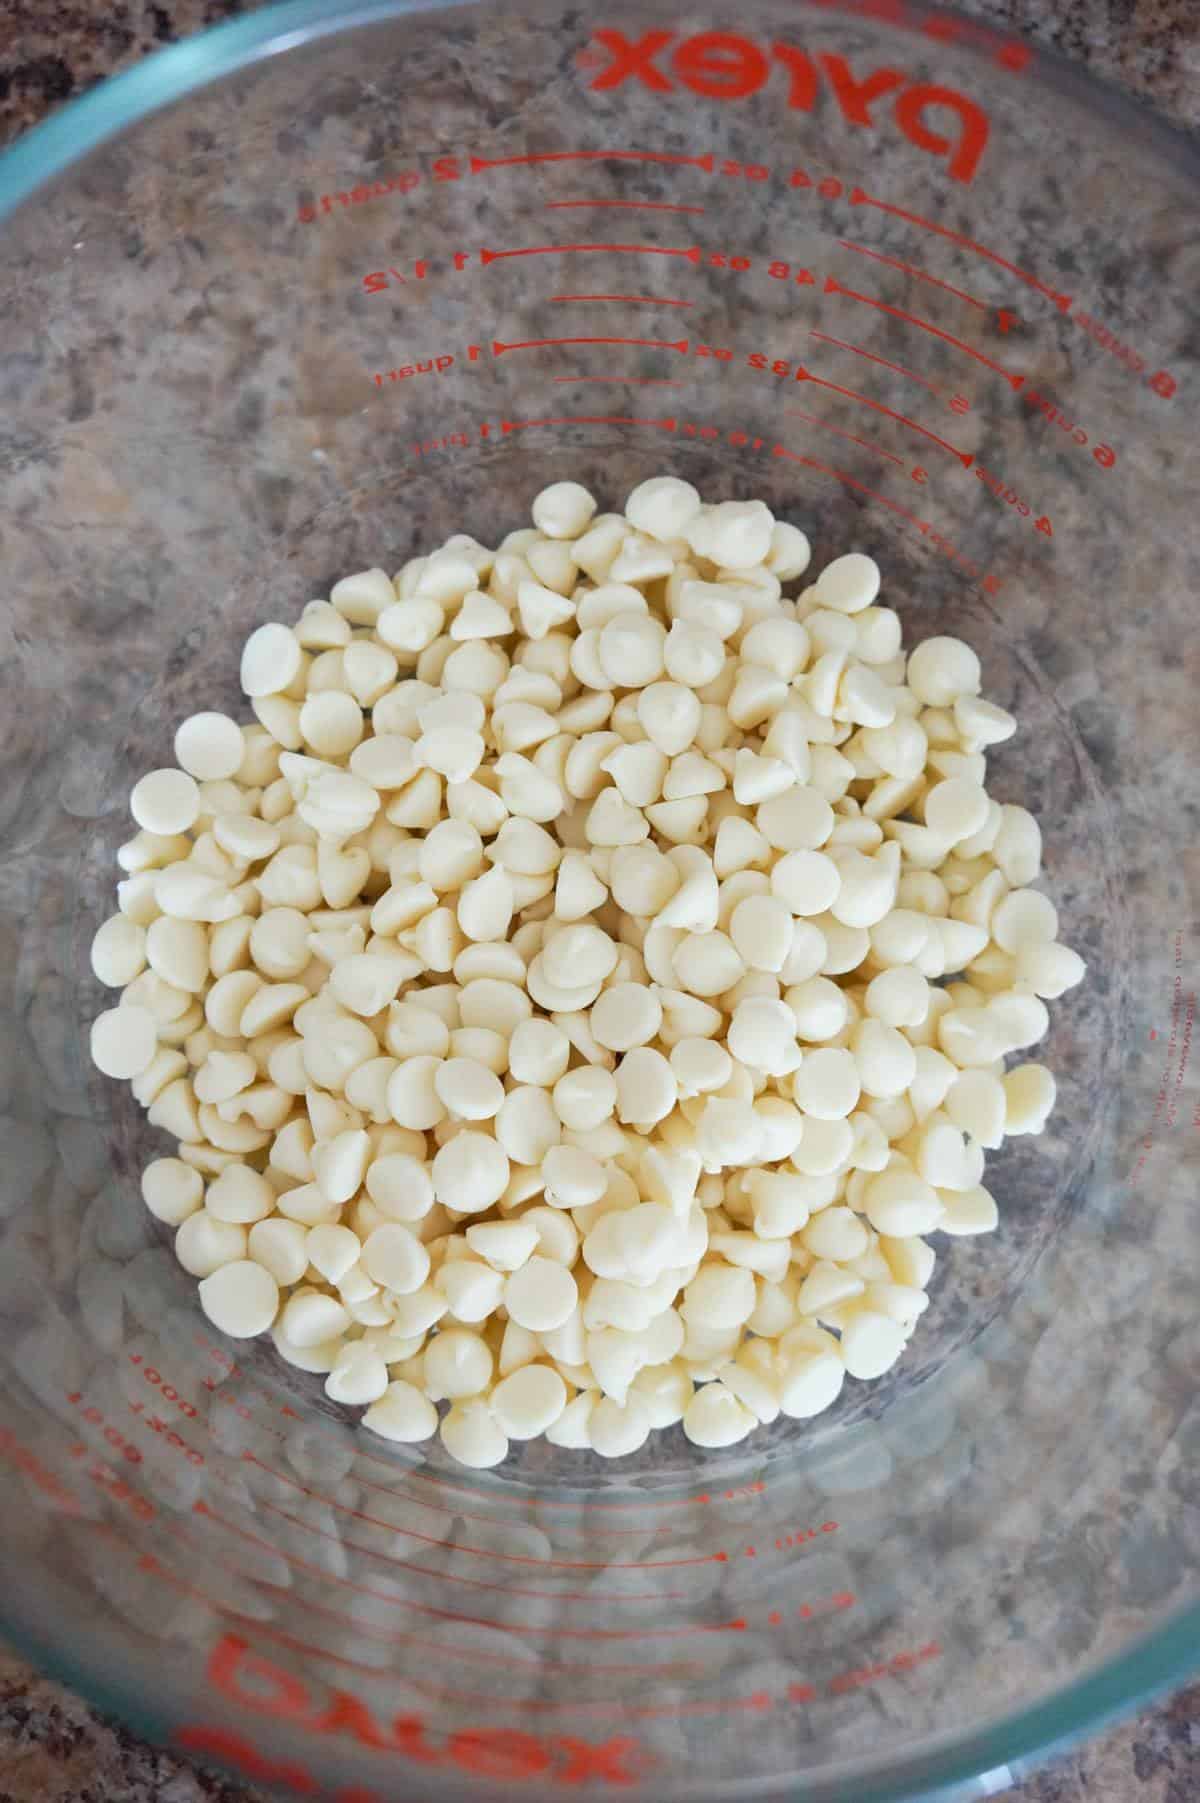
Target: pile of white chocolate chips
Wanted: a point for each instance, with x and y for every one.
(546, 994)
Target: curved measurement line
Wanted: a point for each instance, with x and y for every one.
(478, 1699)
(468, 1654)
(424, 1571)
(922, 275)
(247, 1457)
(493, 1521)
(584, 419)
(479, 1552)
(629, 381)
(833, 286)
(860, 198)
(537, 344)
(692, 253)
(633, 206)
(966, 458)
(594, 156)
(220, 1396)
(624, 1668)
(564, 1502)
(644, 300)
(478, 1621)
(844, 344)
(827, 469)
(866, 443)
(438, 1483)
(155, 1567)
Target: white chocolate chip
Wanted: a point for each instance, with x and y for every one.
(241, 1298)
(165, 802)
(271, 661)
(586, 982)
(123, 1041)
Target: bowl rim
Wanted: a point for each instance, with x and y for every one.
(975, 1763)
(169, 74)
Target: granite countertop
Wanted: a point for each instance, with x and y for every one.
(53, 1748)
(52, 50)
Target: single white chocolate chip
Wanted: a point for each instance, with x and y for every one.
(124, 1040)
(241, 1298)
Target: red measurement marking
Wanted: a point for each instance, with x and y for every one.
(701, 1499)
(859, 198)
(851, 482)
(922, 275)
(833, 286)
(167, 1390)
(644, 300)
(887, 1668)
(866, 443)
(632, 206)
(674, 1502)
(1103, 454)
(482, 1700)
(966, 458)
(537, 344)
(419, 1502)
(262, 1630)
(107, 1480)
(491, 1520)
(828, 1605)
(594, 156)
(38, 1473)
(478, 1621)
(844, 345)
(469, 1654)
(629, 381)
(626, 1668)
(155, 1568)
(641, 1505)
(113, 1435)
(584, 419)
(541, 1502)
(805, 1534)
(554, 250)
(475, 1551)
(442, 1577)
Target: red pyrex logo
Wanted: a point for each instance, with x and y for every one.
(259, 1684)
(722, 65)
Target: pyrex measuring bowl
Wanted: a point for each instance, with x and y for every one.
(310, 293)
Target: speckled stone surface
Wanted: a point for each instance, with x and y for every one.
(52, 1747)
(52, 50)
